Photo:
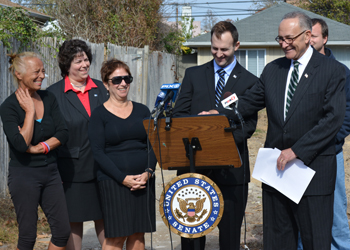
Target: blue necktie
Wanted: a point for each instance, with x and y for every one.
(219, 86)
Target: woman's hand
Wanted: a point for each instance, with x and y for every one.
(142, 179)
(25, 100)
(134, 182)
(37, 149)
(26, 103)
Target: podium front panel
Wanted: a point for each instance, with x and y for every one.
(219, 149)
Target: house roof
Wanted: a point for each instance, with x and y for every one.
(261, 28)
(39, 17)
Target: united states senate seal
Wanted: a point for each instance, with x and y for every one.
(192, 204)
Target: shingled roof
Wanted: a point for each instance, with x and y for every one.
(261, 28)
(39, 17)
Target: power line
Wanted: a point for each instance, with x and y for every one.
(218, 8)
(229, 14)
(191, 4)
(39, 4)
(219, 12)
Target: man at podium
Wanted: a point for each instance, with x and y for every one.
(202, 90)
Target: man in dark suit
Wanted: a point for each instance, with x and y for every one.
(201, 93)
(304, 97)
(340, 228)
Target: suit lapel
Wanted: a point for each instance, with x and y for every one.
(304, 83)
(210, 81)
(76, 103)
(93, 97)
(233, 79)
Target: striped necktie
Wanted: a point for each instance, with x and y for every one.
(292, 85)
(219, 86)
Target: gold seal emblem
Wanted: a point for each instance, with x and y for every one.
(192, 204)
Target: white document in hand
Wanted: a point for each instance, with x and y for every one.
(292, 181)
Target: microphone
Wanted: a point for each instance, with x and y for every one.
(229, 102)
(160, 97)
(170, 91)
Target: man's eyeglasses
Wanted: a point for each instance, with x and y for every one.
(118, 79)
(288, 40)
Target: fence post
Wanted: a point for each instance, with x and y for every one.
(145, 75)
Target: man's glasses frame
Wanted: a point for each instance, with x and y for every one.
(118, 79)
(288, 40)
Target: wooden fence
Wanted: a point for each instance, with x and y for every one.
(149, 69)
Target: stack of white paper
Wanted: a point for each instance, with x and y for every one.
(292, 181)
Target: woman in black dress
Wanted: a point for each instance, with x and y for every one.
(119, 144)
(78, 95)
(34, 128)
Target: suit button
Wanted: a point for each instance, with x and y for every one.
(284, 131)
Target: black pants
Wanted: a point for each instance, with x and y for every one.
(33, 186)
(283, 218)
(231, 222)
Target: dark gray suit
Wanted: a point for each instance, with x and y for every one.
(314, 118)
(198, 94)
(75, 161)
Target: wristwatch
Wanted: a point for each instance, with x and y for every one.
(150, 171)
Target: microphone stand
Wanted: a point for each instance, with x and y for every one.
(168, 115)
(155, 118)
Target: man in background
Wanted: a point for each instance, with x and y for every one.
(340, 227)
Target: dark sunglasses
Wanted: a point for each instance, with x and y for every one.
(118, 79)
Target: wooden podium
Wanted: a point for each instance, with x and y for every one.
(212, 144)
(193, 143)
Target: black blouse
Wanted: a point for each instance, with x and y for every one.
(52, 125)
(120, 145)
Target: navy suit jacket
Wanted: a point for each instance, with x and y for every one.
(314, 117)
(198, 94)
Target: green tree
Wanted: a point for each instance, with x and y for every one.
(175, 37)
(15, 23)
(126, 23)
(338, 10)
(47, 7)
(259, 4)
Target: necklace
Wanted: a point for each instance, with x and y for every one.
(78, 87)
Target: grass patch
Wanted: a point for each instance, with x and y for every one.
(258, 132)
(9, 226)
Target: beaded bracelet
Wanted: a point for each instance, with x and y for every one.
(48, 147)
(46, 150)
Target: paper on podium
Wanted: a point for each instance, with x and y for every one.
(292, 181)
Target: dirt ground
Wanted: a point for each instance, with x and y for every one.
(161, 238)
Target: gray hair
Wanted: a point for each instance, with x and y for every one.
(304, 20)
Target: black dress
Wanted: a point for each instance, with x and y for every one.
(120, 147)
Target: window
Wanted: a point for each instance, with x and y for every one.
(252, 59)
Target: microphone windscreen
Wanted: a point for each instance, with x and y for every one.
(227, 94)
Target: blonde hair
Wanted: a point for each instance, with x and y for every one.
(18, 63)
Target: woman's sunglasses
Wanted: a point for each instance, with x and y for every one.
(118, 79)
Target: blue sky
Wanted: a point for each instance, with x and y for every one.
(222, 9)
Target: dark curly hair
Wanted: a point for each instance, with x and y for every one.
(108, 67)
(70, 49)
